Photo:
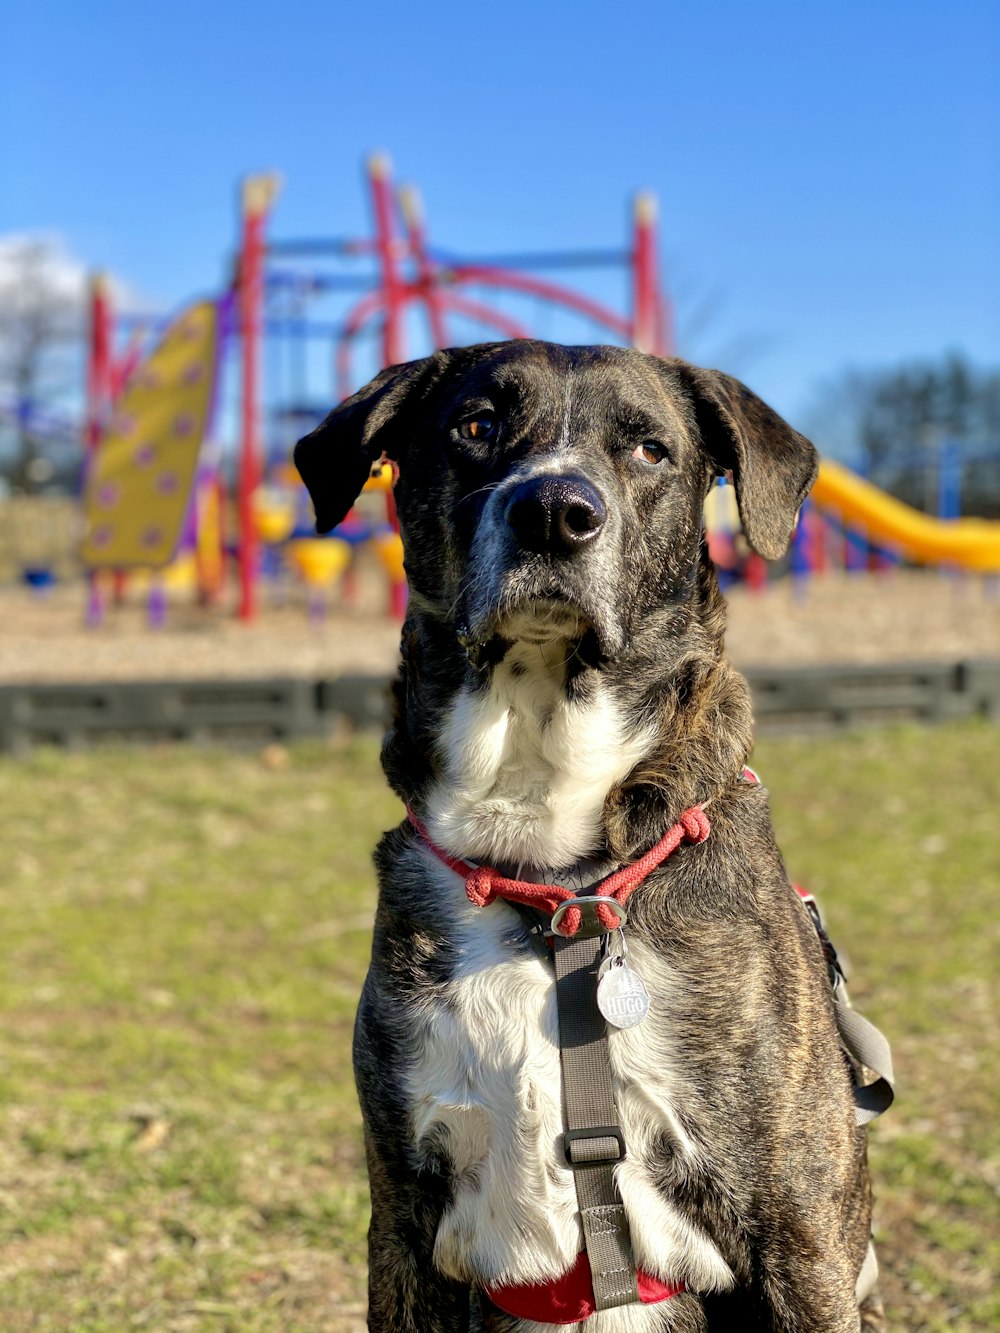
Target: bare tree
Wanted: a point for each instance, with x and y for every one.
(42, 297)
(893, 423)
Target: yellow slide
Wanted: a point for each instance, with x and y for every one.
(972, 543)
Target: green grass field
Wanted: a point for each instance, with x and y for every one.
(185, 933)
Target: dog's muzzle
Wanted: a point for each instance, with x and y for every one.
(543, 564)
(555, 516)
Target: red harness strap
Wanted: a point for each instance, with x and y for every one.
(570, 1298)
(483, 885)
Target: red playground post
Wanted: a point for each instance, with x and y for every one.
(411, 207)
(379, 171)
(651, 322)
(98, 359)
(395, 299)
(257, 197)
(99, 371)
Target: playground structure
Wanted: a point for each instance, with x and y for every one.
(143, 410)
(155, 492)
(966, 543)
(849, 524)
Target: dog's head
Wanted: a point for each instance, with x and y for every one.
(547, 491)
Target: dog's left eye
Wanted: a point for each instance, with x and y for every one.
(650, 451)
(481, 427)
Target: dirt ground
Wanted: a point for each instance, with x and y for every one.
(901, 616)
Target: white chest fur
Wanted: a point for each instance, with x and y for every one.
(488, 1077)
(485, 1089)
(527, 769)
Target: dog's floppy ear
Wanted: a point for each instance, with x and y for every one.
(773, 466)
(335, 460)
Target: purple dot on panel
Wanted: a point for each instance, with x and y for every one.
(102, 536)
(123, 425)
(152, 379)
(184, 424)
(191, 331)
(167, 483)
(152, 537)
(145, 455)
(109, 495)
(194, 373)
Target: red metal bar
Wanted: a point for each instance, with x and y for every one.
(484, 314)
(97, 404)
(413, 216)
(98, 359)
(487, 276)
(385, 241)
(120, 371)
(367, 308)
(651, 316)
(258, 195)
(125, 366)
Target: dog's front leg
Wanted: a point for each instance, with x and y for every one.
(807, 1286)
(405, 1292)
(819, 1299)
(799, 1281)
(409, 1191)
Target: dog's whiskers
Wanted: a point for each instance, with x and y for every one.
(483, 490)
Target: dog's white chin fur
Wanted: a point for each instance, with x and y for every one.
(544, 621)
(527, 770)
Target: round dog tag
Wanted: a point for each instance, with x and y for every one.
(621, 996)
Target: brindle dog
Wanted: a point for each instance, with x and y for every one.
(563, 697)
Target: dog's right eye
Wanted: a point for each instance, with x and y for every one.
(481, 427)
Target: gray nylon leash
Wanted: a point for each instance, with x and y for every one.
(860, 1039)
(868, 1046)
(593, 1141)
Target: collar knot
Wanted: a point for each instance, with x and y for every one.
(695, 824)
(479, 886)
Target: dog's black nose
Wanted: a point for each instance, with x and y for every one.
(555, 515)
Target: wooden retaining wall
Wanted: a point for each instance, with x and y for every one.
(257, 711)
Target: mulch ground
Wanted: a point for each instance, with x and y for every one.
(901, 616)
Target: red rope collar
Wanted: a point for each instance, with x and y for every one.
(483, 885)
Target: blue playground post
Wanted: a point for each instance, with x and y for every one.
(949, 490)
(801, 565)
(949, 494)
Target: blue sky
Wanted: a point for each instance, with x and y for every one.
(829, 175)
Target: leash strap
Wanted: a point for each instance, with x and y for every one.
(860, 1039)
(869, 1047)
(593, 1142)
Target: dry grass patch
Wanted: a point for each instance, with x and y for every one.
(185, 935)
